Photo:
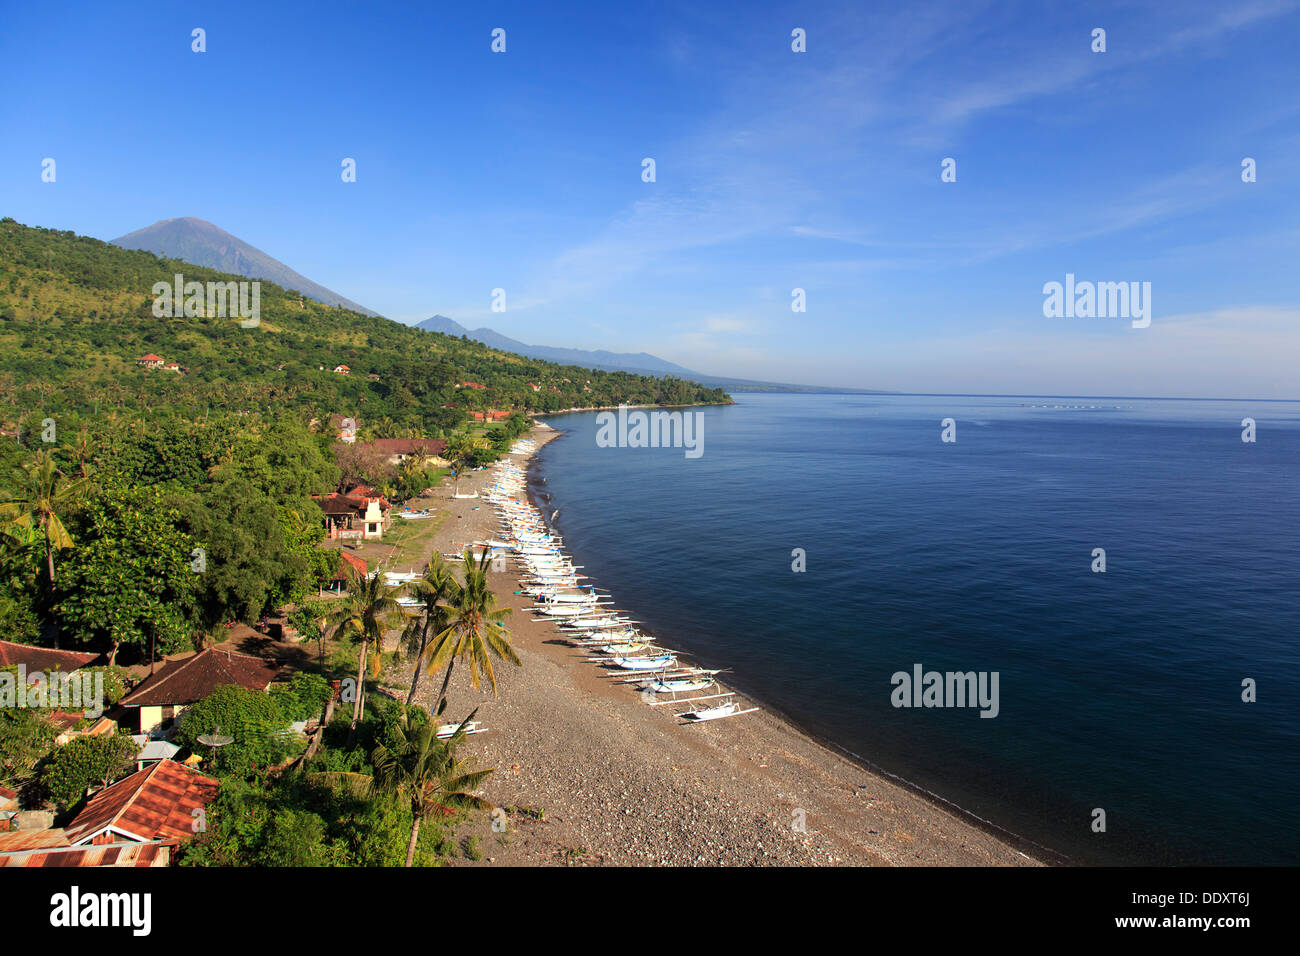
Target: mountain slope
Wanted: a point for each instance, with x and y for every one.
(200, 242)
(642, 362)
(638, 363)
(76, 315)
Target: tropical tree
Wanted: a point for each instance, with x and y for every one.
(132, 579)
(41, 498)
(423, 769)
(475, 631)
(461, 450)
(363, 614)
(434, 590)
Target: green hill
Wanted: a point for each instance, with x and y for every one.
(76, 313)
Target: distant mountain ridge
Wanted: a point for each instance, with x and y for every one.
(204, 244)
(638, 363)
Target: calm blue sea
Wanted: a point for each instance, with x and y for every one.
(1119, 690)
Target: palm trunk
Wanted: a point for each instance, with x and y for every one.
(442, 694)
(415, 836)
(419, 662)
(361, 692)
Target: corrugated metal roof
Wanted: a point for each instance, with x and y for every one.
(156, 803)
(13, 841)
(154, 853)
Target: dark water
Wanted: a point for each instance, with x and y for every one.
(1119, 690)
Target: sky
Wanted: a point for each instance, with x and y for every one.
(775, 170)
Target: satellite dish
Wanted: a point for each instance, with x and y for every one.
(215, 739)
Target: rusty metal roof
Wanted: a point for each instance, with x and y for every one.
(154, 853)
(17, 840)
(156, 803)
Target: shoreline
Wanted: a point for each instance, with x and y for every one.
(591, 775)
(1041, 854)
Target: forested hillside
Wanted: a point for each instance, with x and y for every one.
(76, 313)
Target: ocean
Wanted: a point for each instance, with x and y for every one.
(1119, 692)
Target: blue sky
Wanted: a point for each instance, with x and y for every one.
(775, 170)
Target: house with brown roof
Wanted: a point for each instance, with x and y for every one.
(46, 659)
(342, 370)
(359, 513)
(397, 450)
(157, 803)
(150, 361)
(160, 699)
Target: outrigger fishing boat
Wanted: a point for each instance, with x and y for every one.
(584, 615)
(726, 709)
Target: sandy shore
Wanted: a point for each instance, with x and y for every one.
(592, 775)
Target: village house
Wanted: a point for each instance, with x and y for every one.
(47, 659)
(350, 564)
(161, 698)
(490, 416)
(342, 370)
(134, 822)
(428, 451)
(150, 361)
(358, 513)
(154, 804)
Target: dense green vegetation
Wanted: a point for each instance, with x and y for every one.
(386, 797)
(76, 313)
(144, 510)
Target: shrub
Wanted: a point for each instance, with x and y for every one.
(85, 761)
(254, 719)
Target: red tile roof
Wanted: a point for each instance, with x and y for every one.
(150, 358)
(193, 678)
(43, 658)
(156, 803)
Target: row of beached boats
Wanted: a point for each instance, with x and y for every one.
(585, 615)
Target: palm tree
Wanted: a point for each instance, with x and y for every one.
(474, 633)
(83, 451)
(363, 613)
(425, 770)
(42, 496)
(436, 587)
(461, 450)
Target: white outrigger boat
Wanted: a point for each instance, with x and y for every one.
(726, 709)
(584, 616)
(655, 663)
(446, 730)
(679, 685)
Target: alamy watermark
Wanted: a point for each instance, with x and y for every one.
(57, 690)
(638, 429)
(212, 300)
(1100, 300)
(950, 689)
